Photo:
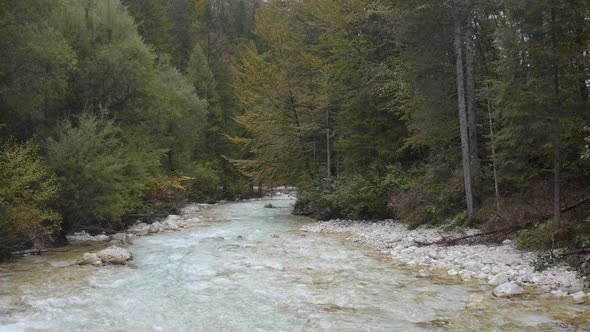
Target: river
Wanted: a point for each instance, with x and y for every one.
(247, 268)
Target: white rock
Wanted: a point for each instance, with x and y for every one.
(486, 269)
(425, 260)
(101, 238)
(579, 297)
(90, 259)
(558, 294)
(507, 289)
(395, 238)
(452, 272)
(498, 279)
(79, 237)
(140, 229)
(423, 274)
(122, 238)
(114, 255)
(465, 275)
(433, 254)
(83, 237)
(155, 227)
(507, 242)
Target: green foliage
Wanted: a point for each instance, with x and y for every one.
(200, 75)
(100, 179)
(26, 191)
(205, 182)
(35, 66)
(355, 196)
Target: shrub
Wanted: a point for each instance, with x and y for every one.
(204, 183)
(26, 190)
(100, 178)
(164, 194)
(356, 196)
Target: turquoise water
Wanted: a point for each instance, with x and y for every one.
(247, 268)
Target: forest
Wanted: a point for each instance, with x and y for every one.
(449, 113)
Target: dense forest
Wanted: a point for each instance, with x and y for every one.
(454, 113)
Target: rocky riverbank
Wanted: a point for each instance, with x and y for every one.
(496, 265)
(117, 254)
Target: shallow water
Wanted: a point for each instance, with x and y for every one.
(274, 278)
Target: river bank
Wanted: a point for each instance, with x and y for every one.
(492, 264)
(189, 217)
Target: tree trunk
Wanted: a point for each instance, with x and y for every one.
(462, 111)
(494, 163)
(557, 129)
(470, 79)
(328, 155)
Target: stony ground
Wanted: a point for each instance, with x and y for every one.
(495, 264)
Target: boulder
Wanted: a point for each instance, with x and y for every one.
(83, 237)
(90, 259)
(139, 229)
(579, 297)
(269, 206)
(171, 223)
(155, 227)
(101, 238)
(507, 242)
(498, 279)
(114, 255)
(507, 289)
(120, 239)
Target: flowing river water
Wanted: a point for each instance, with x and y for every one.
(247, 268)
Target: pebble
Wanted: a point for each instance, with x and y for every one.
(499, 264)
(558, 294)
(423, 274)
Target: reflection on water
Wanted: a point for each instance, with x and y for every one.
(249, 268)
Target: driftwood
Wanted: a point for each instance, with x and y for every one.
(506, 230)
(37, 251)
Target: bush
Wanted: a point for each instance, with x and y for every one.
(26, 190)
(432, 194)
(543, 237)
(101, 178)
(163, 194)
(354, 196)
(205, 182)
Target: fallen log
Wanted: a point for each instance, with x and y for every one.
(570, 207)
(37, 251)
(508, 230)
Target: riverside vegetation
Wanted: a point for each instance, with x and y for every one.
(449, 113)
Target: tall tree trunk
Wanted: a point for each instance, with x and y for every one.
(457, 17)
(470, 79)
(328, 151)
(494, 163)
(556, 128)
